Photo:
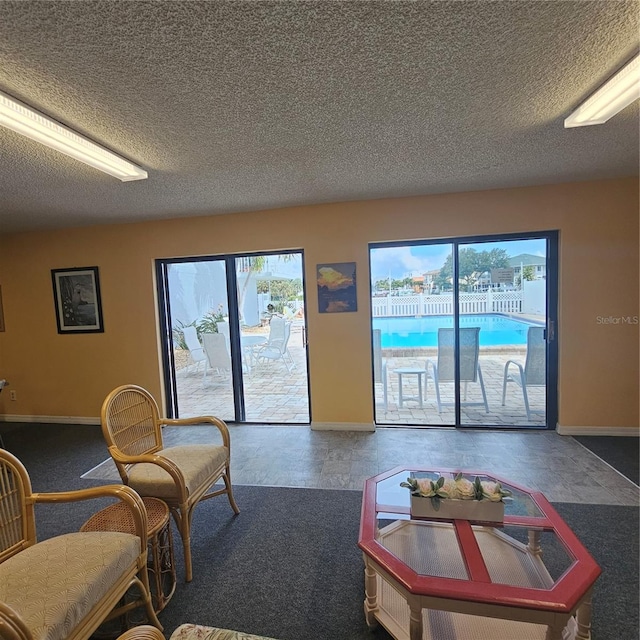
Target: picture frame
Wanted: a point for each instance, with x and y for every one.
(337, 291)
(77, 301)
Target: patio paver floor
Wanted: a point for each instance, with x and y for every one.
(275, 395)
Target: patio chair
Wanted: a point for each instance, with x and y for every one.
(276, 346)
(443, 370)
(64, 587)
(182, 476)
(534, 372)
(196, 351)
(223, 328)
(215, 346)
(379, 365)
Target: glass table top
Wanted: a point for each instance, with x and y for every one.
(531, 559)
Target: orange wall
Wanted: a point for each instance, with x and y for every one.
(69, 375)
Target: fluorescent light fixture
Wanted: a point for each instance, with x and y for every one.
(24, 120)
(612, 97)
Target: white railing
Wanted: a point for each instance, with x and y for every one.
(441, 305)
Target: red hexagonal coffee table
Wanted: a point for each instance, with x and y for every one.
(526, 578)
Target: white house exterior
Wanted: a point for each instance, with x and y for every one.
(539, 264)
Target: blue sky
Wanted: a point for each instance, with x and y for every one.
(400, 262)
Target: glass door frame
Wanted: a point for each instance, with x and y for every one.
(165, 328)
(551, 328)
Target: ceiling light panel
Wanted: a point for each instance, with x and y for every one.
(611, 98)
(23, 120)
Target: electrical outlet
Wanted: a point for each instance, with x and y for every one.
(13, 395)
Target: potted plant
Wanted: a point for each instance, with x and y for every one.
(209, 322)
(457, 498)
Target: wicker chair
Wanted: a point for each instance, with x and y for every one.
(64, 587)
(143, 632)
(182, 476)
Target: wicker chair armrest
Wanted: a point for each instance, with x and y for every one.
(12, 626)
(144, 632)
(151, 458)
(118, 491)
(212, 420)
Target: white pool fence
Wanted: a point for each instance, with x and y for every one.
(440, 305)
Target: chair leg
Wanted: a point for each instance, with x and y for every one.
(185, 533)
(436, 384)
(227, 483)
(143, 577)
(289, 361)
(525, 395)
(182, 517)
(484, 393)
(385, 389)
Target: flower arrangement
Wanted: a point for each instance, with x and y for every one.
(458, 488)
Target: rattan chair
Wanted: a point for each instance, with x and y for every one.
(64, 587)
(143, 632)
(182, 476)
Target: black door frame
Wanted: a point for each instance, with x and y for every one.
(166, 330)
(551, 332)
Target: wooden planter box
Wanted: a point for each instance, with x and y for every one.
(477, 510)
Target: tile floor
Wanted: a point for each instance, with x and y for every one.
(292, 456)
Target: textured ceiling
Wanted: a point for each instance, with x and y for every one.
(236, 106)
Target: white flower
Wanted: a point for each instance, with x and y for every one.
(424, 487)
(449, 488)
(491, 491)
(465, 489)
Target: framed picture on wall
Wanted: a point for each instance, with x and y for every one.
(76, 296)
(337, 287)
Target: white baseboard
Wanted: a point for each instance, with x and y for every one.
(49, 419)
(599, 431)
(342, 426)
(330, 426)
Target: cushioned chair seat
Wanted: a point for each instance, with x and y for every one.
(85, 566)
(197, 463)
(197, 632)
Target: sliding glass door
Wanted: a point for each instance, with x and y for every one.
(463, 331)
(234, 338)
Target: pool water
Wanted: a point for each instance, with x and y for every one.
(495, 329)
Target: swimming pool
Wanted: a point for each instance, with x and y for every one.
(412, 332)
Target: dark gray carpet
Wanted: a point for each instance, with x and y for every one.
(288, 566)
(622, 453)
